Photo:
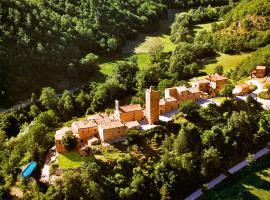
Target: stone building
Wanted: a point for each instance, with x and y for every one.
(217, 82)
(132, 112)
(152, 106)
(167, 104)
(203, 85)
(86, 129)
(111, 130)
(58, 139)
(259, 72)
(241, 89)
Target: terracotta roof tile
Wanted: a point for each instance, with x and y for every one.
(133, 124)
(216, 77)
(194, 90)
(60, 133)
(110, 124)
(131, 107)
(84, 124)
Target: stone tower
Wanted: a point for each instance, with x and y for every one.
(152, 106)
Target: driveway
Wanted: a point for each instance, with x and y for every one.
(265, 103)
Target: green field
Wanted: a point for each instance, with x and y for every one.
(226, 60)
(107, 66)
(251, 183)
(141, 52)
(149, 41)
(71, 160)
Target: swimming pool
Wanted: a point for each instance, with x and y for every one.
(29, 169)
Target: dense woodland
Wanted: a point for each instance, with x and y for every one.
(62, 37)
(44, 42)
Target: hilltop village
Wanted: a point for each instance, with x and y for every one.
(107, 128)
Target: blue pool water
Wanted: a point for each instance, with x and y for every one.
(29, 169)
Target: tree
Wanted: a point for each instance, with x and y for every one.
(191, 109)
(66, 104)
(48, 98)
(227, 90)
(69, 141)
(89, 59)
(156, 52)
(163, 84)
(219, 70)
(70, 186)
(188, 140)
(210, 162)
(125, 73)
(34, 111)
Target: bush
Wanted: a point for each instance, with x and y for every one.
(264, 95)
(70, 141)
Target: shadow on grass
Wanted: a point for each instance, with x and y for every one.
(239, 185)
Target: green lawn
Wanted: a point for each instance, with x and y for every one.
(251, 183)
(107, 66)
(149, 41)
(71, 160)
(226, 60)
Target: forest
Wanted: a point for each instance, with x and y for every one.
(68, 37)
(45, 42)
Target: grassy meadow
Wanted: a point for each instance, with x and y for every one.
(226, 60)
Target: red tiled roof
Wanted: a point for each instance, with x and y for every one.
(216, 77)
(60, 133)
(131, 107)
(181, 89)
(133, 124)
(84, 124)
(201, 81)
(98, 116)
(163, 101)
(110, 124)
(194, 90)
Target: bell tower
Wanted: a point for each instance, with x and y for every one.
(152, 106)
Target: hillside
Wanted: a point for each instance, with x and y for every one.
(246, 27)
(45, 42)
